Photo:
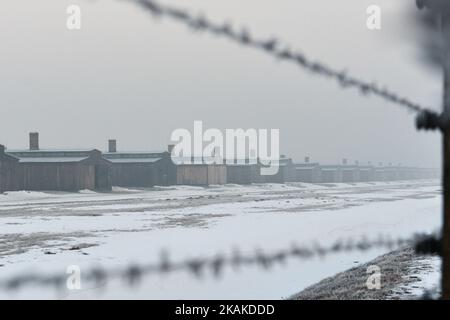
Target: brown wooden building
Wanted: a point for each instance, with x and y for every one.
(201, 174)
(60, 170)
(195, 172)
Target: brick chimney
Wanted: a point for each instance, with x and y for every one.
(2, 149)
(344, 161)
(170, 147)
(306, 159)
(34, 140)
(112, 145)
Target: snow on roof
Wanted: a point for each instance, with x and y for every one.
(329, 168)
(305, 167)
(134, 160)
(50, 153)
(134, 157)
(119, 155)
(135, 153)
(48, 150)
(51, 156)
(51, 159)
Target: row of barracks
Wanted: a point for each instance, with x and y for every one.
(73, 170)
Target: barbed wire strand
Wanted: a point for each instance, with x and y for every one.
(215, 265)
(274, 47)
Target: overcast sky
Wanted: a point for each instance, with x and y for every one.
(127, 76)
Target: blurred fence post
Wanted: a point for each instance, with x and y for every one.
(445, 25)
(441, 9)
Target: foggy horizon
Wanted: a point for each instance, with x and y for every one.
(128, 77)
(224, 158)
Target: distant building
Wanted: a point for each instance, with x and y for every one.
(74, 170)
(308, 172)
(366, 173)
(201, 174)
(241, 173)
(286, 172)
(196, 171)
(287, 169)
(331, 173)
(244, 172)
(140, 169)
(9, 172)
(61, 170)
(392, 173)
(380, 174)
(350, 173)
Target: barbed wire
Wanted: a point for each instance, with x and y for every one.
(273, 47)
(215, 265)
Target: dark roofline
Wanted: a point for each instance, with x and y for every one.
(90, 154)
(135, 154)
(8, 157)
(307, 164)
(54, 152)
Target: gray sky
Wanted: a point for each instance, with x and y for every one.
(126, 76)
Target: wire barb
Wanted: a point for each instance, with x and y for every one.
(273, 47)
(215, 265)
(430, 120)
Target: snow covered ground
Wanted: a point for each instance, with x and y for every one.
(421, 281)
(37, 231)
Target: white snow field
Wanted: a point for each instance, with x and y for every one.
(114, 230)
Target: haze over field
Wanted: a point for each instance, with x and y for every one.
(126, 76)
